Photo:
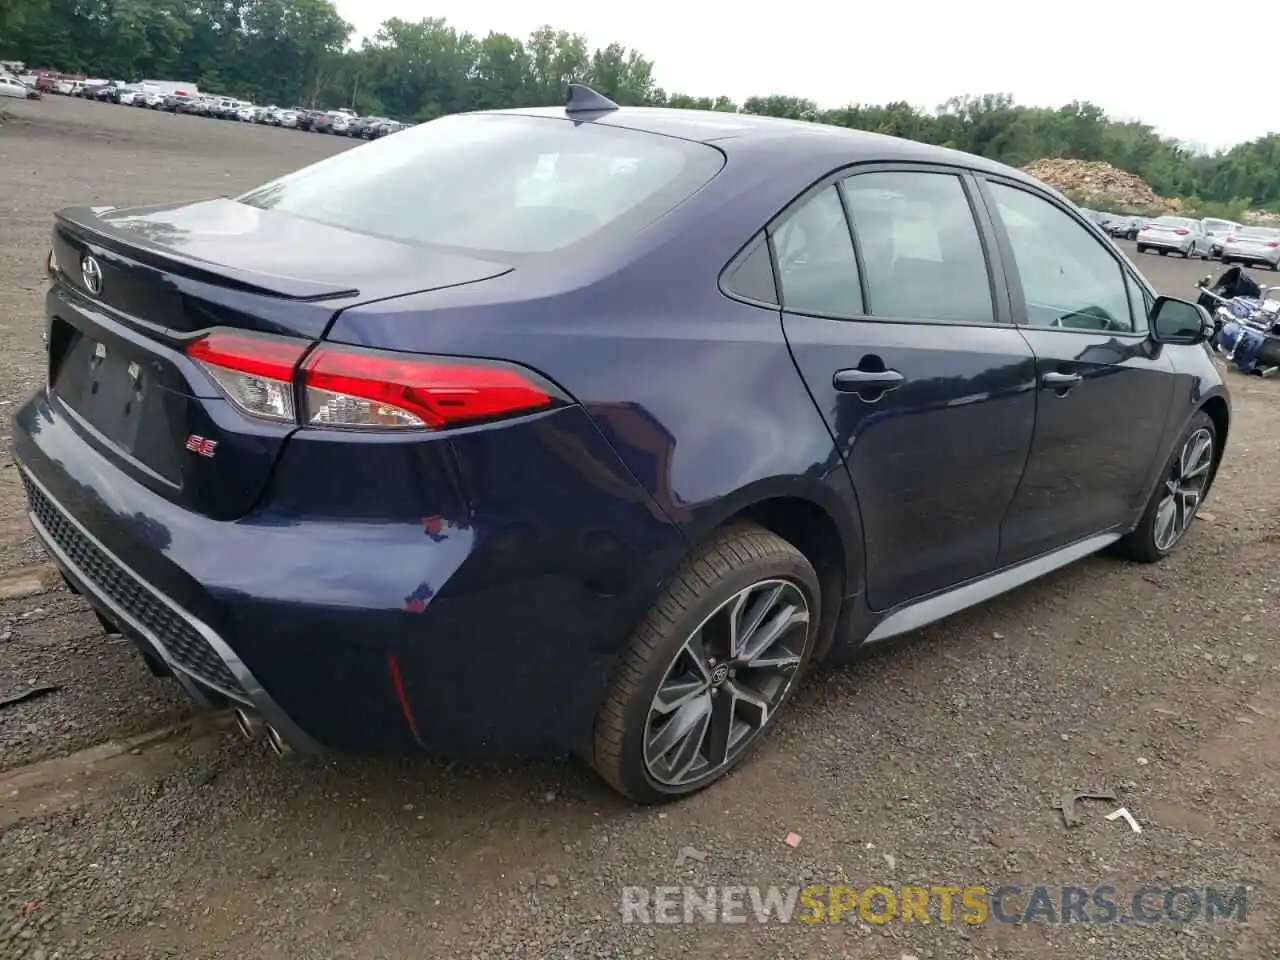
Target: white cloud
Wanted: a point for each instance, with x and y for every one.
(1153, 60)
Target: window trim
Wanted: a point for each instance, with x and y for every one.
(1017, 296)
(1002, 306)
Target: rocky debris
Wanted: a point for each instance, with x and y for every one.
(1088, 178)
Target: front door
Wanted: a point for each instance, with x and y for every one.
(1105, 388)
(906, 347)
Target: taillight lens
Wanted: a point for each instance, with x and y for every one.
(1272, 245)
(354, 388)
(254, 371)
(1181, 232)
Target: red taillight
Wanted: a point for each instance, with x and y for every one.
(349, 387)
(1272, 245)
(255, 371)
(354, 388)
(1181, 232)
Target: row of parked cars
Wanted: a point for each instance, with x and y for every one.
(1208, 238)
(341, 122)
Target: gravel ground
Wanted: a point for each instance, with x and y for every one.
(932, 763)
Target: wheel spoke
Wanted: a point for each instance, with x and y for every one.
(1195, 454)
(675, 693)
(695, 649)
(1166, 519)
(720, 732)
(681, 734)
(768, 634)
(749, 705)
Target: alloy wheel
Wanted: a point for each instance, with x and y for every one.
(1183, 489)
(725, 683)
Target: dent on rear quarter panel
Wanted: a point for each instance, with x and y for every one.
(700, 400)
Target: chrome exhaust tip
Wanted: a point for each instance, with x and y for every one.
(277, 743)
(249, 724)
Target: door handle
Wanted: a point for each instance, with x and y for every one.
(868, 381)
(1060, 381)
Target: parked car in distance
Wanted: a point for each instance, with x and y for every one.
(1124, 227)
(1181, 235)
(1096, 216)
(551, 430)
(13, 88)
(1253, 245)
(177, 102)
(1218, 231)
(288, 119)
(383, 129)
(325, 121)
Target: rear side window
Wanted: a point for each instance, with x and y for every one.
(816, 264)
(751, 277)
(494, 183)
(920, 246)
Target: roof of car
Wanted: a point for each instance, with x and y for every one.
(733, 131)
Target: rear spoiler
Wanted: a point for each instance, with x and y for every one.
(89, 226)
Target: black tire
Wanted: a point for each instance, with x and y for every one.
(1142, 544)
(1141, 248)
(1164, 253)
(731, 562)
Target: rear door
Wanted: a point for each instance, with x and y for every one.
(1104, 387)
(900, 330)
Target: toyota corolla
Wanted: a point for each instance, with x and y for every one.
(592, 429)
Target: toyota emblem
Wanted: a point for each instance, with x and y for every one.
(92, 274)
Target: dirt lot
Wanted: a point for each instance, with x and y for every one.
(933, 763)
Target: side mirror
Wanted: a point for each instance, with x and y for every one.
(1180, 322)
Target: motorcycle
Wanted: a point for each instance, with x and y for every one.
(1246, 321)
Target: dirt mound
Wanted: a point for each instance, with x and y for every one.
(1089, 179)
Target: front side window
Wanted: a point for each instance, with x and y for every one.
(500, 184)
(920, 246)
(1069, 279)
(817, 268)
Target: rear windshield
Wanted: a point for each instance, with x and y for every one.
(1218, 225)
(1258, 233)
(1173, 222)
(501, 183)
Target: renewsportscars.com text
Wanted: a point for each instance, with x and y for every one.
(944, 904)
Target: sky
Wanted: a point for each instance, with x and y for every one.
(1139, 59)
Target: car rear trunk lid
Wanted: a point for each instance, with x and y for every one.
(135, 287)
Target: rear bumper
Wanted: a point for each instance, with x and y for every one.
(487, 635)
(202, 662)
(1160, 244)
(1239, 256)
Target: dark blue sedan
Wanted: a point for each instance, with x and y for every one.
(591, 429)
